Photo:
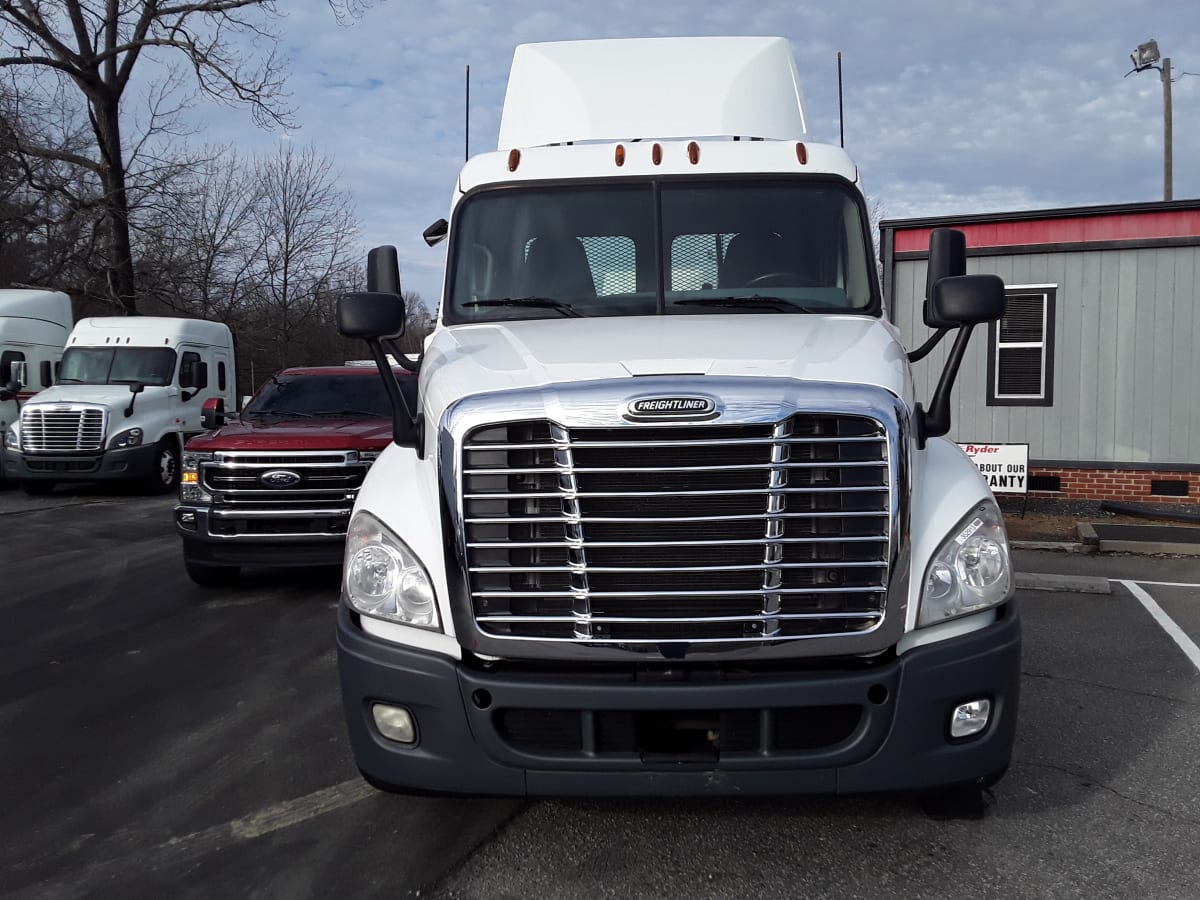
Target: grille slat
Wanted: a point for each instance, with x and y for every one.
(601, 535)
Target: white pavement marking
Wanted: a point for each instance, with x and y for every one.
(1187, 584)
(1186, 644)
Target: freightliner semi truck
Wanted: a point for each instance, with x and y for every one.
(667, 516)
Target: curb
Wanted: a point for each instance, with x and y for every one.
(1072, 584)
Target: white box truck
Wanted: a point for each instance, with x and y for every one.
(34, 325)
(666, 516)
(129, 394)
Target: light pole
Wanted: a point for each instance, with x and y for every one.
(1145, 57)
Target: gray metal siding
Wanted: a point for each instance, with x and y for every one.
(1125, 368)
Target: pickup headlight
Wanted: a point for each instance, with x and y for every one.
(11, 441)
(384, 579)
(190, 490)
(130, 437)
(971, 571)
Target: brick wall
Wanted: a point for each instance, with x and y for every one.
(1131, 485)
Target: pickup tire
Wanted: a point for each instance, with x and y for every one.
(211, 576)
(163, 476)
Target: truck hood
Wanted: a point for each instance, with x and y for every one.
(470, 359)
(111, 395)
(302, 434)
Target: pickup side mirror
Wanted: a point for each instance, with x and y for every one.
(371, 315)
(212, 414)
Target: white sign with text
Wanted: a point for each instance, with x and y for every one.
(1005, 466)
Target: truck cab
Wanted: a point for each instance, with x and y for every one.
(129, 393)
(274, 486)
(667, 516)
(34, 325)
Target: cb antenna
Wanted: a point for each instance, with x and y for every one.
(841, 118)
(467, 127)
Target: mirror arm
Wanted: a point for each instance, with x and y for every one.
(407, 430)
(923, 351)
(405, 363)
(935, 421)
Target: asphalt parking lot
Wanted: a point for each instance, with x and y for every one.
(162, 738)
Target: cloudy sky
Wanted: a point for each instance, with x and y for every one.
(952, 106)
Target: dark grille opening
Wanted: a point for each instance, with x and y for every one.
(541, 730)
(814, 728)
(1165, 487)
(1045, 483)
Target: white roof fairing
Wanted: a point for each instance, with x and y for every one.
(652, 88)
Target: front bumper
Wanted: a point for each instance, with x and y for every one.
(202, 545)
(106, 465)
(610, 732)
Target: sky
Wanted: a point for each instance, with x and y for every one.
(950, 107)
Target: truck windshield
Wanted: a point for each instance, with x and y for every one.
(304, 396)
(112, 365)
(752, 246)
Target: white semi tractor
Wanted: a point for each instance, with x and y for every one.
(129, 394)
(34, 325)
(666, 516)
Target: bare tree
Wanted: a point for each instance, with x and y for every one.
(95, 46)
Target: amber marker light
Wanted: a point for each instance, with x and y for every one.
(514, 159)
(693, 153)
(189, 477)
(656, 154)
(619, 154)
(802, 154)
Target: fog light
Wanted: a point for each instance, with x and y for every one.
(395, 723)
(970, 718)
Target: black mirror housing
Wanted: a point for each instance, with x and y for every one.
(371, 315)
(958, 300)
(436, 232)
(947, 259)
(383, 270)
(212, 414)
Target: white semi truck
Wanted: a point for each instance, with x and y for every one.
(34, 325)
(666, 516)
(129, 394)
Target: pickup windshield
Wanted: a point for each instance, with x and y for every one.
(790, 246)
(331, 396)
(110, 365)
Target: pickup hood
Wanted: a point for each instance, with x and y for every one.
(471, 359)
(297, 434)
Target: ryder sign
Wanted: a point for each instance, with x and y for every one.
(1005, 466)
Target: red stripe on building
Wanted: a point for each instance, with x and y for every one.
(1067, 230)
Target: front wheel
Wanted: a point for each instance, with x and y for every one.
(211, 576)
(164, 474)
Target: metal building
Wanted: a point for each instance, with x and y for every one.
(1095, 363)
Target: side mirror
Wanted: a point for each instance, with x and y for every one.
(436, 232)
(371, 315)
(947, 259)
(135, 388)
(383, 270)
(967, 299)
(19, 373)
(212, 413)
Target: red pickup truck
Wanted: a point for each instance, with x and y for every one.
(275, 485)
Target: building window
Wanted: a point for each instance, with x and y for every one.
(1021, 349)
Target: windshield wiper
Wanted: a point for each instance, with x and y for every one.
(535, 302)
(277, 412)
(757, 302)
(71, 380)
(363, 413)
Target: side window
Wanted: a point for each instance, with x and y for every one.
(7, 358)
(1021, 349)
(187, 365)
(221, 376)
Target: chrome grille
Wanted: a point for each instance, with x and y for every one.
(63, 428)
(703, 534)
(319, 503)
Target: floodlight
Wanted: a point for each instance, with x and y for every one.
(1146, 55)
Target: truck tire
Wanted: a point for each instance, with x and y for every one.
(164, 474)
(37, 488)
(211, 576)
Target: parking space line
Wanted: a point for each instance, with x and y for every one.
(1186, 644)
(1182, 584)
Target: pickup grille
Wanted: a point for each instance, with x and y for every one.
(699, 534)
(67, 428)
(318, 502)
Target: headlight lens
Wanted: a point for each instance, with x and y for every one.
(11, 441)
(131, 437)
(971, 571)
(189, 477)
(384, 579)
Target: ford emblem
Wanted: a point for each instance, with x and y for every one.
(279, 478)
(683, 408)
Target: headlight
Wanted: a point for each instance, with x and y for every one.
(971, 571)
(384, 579)
(11, 441)
(190, 490)
(131, 437)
